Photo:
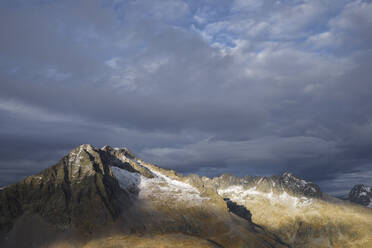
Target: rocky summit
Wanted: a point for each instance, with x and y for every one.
(362, 195)
(107, 197)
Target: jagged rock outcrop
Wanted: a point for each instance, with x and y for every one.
(361, 194)
(300, 187)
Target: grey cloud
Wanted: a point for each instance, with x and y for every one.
(268, 152)
(201, 87)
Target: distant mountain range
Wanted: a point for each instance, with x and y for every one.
(107, 197)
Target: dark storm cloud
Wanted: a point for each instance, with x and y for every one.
(244, 87)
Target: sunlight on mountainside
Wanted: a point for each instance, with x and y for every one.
(315, 224)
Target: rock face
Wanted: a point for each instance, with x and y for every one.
(92, 194)
(362, 195)
(300, 187)
(65, 193)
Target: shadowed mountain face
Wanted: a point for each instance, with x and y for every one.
(108, 197)
(78, 192)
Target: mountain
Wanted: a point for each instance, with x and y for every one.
(110, 198)
(298, 212)
(361, 194)
(103, 197)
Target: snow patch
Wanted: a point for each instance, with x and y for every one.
(240, 195)
(161, 188)
(165, 187)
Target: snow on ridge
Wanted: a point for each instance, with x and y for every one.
(159, 188)
(175, 183)
(170, 188)
(170, 181)
(238, 194)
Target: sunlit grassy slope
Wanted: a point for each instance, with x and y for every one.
(315, 223)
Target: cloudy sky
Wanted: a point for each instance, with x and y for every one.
(253, 87)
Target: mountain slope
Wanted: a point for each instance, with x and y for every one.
(298, 212)
(100, 197)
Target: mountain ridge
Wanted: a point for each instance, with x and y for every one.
(109, 191)
(99, 192)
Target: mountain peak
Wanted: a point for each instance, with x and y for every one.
(361, 194)
(291, 176)
(125, 151)
(287, 174)
(84, 146)
(300, 186)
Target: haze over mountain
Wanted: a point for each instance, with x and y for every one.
(247, 87)
(105, 197)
